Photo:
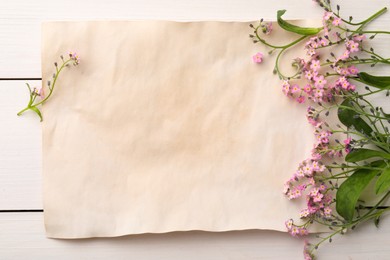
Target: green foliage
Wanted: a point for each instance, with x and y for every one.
(383, 182)
(294, 28)
(349, 118)
(350, 191)
(361, 154)
(381, 82)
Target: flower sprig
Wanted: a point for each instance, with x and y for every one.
(349, 154)
(37, 94)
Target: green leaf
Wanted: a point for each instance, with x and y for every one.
(381, 82)
(36, 110)
(350, 191)
(351, 118)
(294, 28)
(357, 155)
(383, 182)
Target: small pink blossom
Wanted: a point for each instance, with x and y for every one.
(320, 81)
(345, 84)
(258, 57)
(303, 231)
(315, 65)
(41, 92)
(318, 197)
(351, 87)
(307, 170)
(353, 70)
(286, 87)
(304, 213)
(315, 166)
(322, 187)
(336, 21)
(311, 52)
(359, 38)
(267, 29)
(327, 211)
(289, 224)
(316, 156)
(348, 140)
(352, 46)
(307, 88)
(324, 42)
(327, 15)
(295, 88)
(295, 231)
(301, 99)
(345, 55)
(38, 91)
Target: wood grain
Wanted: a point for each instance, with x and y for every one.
(21, 150)
(20, 19)
(22, 234)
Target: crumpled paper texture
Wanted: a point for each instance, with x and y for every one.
(166, 126)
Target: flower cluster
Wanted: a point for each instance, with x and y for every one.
(38, 92)
(326, 80)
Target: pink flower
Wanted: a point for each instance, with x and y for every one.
(315, 166)
(286, 87)
(320, 81)
(41, 92)
(336, 21)
(348, 140)
(324, 42)
(295, 231)
(295, 88)
(304, 213)
(353, 70)
(301, 99)
(311, 52)
(327, 15)
(341, 80)
(322, 187)
(351, 87)
(315, 65)
(258, 57)
(307, 88)
(267, 28)
(359, 38)
(314, 192)
(74, 57)
(345, 84)
(289, 224)
(318, 197)
(309, 74)
(299, 173)
(327, 211)
(352, 46)
(316, 156)
(303, 231)
(345, 55)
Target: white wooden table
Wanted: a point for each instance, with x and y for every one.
(21, 218)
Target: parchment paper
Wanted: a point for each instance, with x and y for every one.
(165, 126)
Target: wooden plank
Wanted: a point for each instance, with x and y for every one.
(20, 19)
(23, 235)
(20, 152)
